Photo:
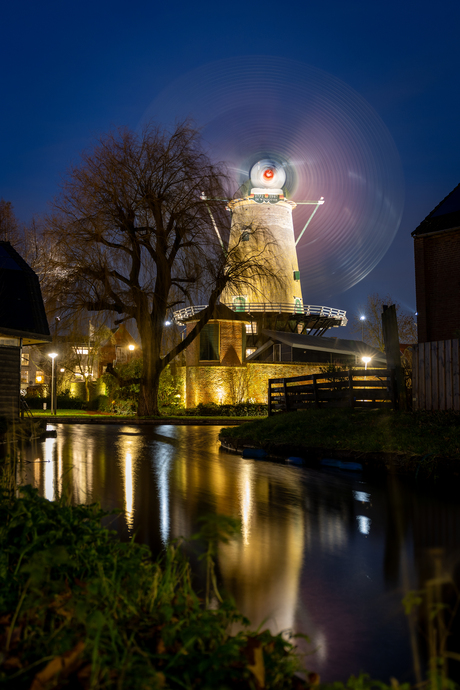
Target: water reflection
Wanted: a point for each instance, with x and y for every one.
(322, 553)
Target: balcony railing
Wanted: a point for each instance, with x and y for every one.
(270, 308)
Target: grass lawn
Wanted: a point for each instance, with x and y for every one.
(417, 433)
(110, 415)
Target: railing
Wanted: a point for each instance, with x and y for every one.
(270, 307)
(373, 388)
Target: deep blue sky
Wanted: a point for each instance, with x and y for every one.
(72, 71)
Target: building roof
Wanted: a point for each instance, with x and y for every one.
(323, 344)
(446, 215)
(22, 314)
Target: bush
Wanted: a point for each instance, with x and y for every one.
(100, 403)
(64, 402)
(247, 409)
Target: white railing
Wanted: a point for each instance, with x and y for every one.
(270, 307)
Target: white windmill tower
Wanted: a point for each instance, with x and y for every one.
(262, 225)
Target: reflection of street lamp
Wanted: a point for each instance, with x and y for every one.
(52, 355)
(366, 361)
(362, 319)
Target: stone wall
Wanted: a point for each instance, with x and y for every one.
(231, 385)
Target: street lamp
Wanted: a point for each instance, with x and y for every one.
(52, 355)
(366, 361)
(131, 347)
(362, 319)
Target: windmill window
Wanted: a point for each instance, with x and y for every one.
(209, 342)
(239, 303)
(296, 275)
(245, 236)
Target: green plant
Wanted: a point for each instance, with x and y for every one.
(430, 607)
(247, 409)
(79, 608)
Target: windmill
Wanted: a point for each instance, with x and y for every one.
(262, 224)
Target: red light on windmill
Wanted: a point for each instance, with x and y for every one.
(269, 174)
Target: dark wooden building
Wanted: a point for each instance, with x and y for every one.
(22, 322)
(437, 271)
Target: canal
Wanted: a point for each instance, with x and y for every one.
(325, 553)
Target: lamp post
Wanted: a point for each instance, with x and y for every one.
(53, 355)
(362, 319)
(366, 361)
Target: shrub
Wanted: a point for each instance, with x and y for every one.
(101, 403)
(64, 402)
(247, 409)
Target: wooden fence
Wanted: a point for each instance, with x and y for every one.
(373, 388)
(436, 375)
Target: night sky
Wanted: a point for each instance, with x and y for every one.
(71, 72)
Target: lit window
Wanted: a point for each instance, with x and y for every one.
(24, 377)
(25, 357)
(81, 350)
(39, 377)
(250, 350)
(251, 328)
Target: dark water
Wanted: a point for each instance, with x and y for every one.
(323, 553)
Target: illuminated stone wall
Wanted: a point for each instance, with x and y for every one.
(231, 385)
(260, 372)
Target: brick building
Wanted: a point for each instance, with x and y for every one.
(437, 271)
(221, 368)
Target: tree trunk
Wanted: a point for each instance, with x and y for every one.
(152, 366)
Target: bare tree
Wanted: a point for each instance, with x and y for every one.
(370, 327)
(135, 237)
(10, 228)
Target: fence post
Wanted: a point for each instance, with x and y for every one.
(315, 390)
(392, 382)
(285, 395)
(269, 397)
(350, 388)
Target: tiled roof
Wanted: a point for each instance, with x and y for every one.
(22, 313)
(445, 216)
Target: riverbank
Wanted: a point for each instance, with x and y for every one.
(107, 418)
(415, 444)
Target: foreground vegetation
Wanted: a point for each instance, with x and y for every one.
(79, 608)
(415, 433)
